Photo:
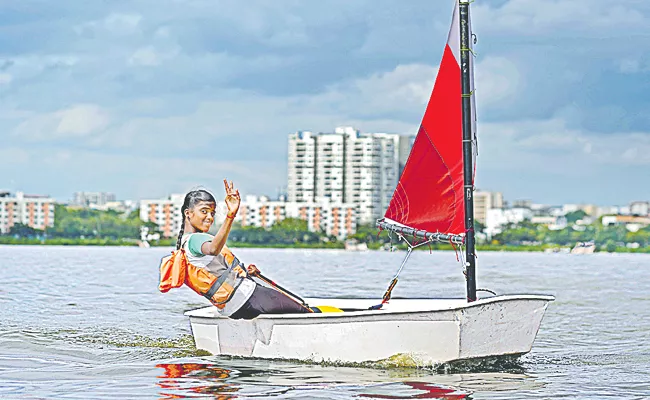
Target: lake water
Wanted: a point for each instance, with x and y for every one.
(85, 323)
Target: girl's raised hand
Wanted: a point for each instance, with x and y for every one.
(232, 198)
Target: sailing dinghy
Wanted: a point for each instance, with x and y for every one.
(432, 202)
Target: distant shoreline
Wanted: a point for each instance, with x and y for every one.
(4, 240)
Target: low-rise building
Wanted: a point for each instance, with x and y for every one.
(119, 206)
(497, 218)
(632, 223)
(554, 223)
(640, 208)
(35, 211)
(333, 218)
(166, 213)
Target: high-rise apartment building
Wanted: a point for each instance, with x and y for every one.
(35, 211)
(347, 167)
(88, 199)
(484, 201)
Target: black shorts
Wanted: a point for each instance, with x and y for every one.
(265, 300)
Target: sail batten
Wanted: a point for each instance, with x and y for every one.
(429, 194)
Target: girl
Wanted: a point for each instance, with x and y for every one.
(204, 250)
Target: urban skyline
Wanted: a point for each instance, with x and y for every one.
(383, 150)
(281, 191)
(332, 217)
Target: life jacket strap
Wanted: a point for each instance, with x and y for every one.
(235, 262)
(216, 285)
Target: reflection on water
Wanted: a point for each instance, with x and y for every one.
(196, 378)
(192, 379)
(420, 390)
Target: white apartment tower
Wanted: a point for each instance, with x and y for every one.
(346, 167)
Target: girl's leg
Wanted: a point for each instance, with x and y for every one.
(268, 301)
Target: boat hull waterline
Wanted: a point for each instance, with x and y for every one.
(427, 331)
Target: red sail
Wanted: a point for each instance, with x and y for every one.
(429, 195)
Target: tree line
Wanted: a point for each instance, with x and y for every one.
(73, 223)
(99, 227)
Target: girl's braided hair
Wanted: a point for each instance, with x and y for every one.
(191, 199)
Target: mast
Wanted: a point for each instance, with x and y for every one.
(468, 171)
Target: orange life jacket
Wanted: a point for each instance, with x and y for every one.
(176, 270)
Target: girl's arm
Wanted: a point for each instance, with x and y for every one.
(232, 202)
(219, 241)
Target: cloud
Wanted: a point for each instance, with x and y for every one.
(562, 18)
(550, 162)
(138, 176)
(5, 79)
(552, 145)
(498, 80)
(81, 120)
(402, 91)
(75, 122)
(146, 56)
(12, 157)
(113, 24)
(633, 66)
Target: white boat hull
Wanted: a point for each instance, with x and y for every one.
(426, 331)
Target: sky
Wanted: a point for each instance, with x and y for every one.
(144, 98)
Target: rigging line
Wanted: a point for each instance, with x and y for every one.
(415, 245)
(486, 290)
(401, 267)
(462, 260)
(387, 295)
(454, 247)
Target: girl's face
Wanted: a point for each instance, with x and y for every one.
(201, 216)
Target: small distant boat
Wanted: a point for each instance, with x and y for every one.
(354, 245)
(433, 201)
(584, 247)
(564, 250)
